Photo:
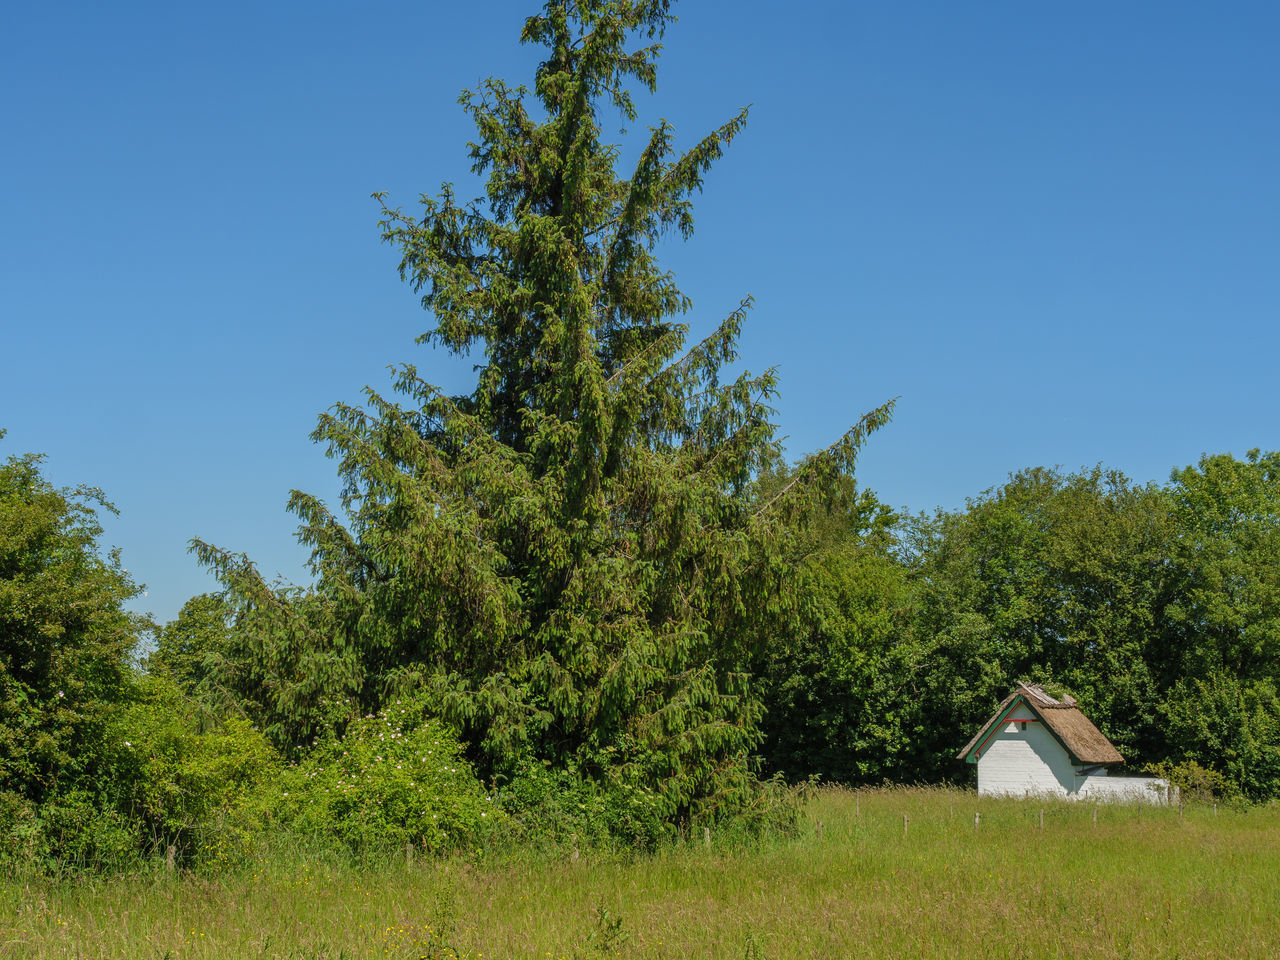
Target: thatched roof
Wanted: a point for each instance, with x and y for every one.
(1078, 736)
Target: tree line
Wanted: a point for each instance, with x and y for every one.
(590, 594)
(888, 640)
(1157, 606)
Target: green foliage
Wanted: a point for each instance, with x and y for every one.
(1195, 783)
(391, 779)
(65, 637)
(181, 777)
(1157, 607)
(834, 689)
(194, 649)
(71, 832)
(65, 643)
(572, 563)
(1228, 517)
(607, 936)
(558, 807)
(1054, 578)
(1229, 725)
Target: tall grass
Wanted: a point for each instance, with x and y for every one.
(1140, 882)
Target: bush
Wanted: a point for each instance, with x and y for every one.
(1195, 783)
(768, 808)
(391, 779)
(163, 781)
(183, 784)
(85, 835)
(549, 806)
(552, 806)
(69, 832)
(21, 839)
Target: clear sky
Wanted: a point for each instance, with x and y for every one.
(1052, 229)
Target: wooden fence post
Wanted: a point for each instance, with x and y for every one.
(706, 837)
(1095, 814)
(819, 830)
(977, 818)
(1042, 818)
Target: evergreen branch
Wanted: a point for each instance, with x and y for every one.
(839, 454)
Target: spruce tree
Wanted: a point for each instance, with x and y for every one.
(572, 560)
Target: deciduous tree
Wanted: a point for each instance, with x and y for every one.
(65, 637)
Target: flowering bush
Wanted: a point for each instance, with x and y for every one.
(390, 779)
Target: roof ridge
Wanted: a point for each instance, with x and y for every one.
(1038, 692)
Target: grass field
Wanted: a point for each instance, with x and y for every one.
(1137, 883)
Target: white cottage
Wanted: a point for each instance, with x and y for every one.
(1036, 745)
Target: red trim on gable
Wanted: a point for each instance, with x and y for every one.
(976, 752)
(996, 727)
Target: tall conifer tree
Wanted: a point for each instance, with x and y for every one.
(571, 560)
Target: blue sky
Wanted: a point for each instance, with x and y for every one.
(1053, 230)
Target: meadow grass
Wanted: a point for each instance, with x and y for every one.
(1140, 882)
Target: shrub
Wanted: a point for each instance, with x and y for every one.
(546, 805)
(69, 832)
(390, 779)
(179, 781)
(554, 806)
(1196, 783)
